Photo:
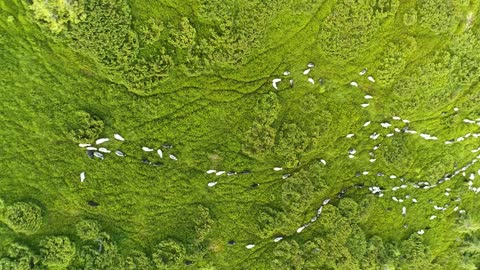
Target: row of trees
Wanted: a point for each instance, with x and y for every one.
(94, 249)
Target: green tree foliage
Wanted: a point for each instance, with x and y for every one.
(414, 254)
(260, 138)
(23, 217)
(101, 254)
(58, 14)
(437, 16)
(168, 253)
(350, 27)
(87, 127)
(234, 28)
(88, 230)
(56, 251)
(292, 143)
(410, 17)
(287, 255)
(151, 32)
(106, 33)
(395, 58)
(269, 220)
(183, 37)
(138, 260)
(465, 59)
(17, 257)
(203, 223)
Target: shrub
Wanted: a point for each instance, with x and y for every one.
(168, 253)
(88, 230)
(88, 127)
(57, 14)
(23, 217)
(410, 17)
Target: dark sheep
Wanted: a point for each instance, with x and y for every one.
(90, 153)
(93, 203)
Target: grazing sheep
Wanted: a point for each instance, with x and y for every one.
(274, 83)
(299, 230)
(82, 177)
(118, 137)
(102, 140)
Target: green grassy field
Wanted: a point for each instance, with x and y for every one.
(197, 75)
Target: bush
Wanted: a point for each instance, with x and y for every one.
(23, 217)
(88, 230)
(57, 14)
(168, 253)
(88, 127)
(410, 17)
(56, 251)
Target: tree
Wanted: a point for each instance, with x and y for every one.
(23, 217)
(18, 257)
(56, 251)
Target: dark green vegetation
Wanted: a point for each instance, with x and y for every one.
(198, 75)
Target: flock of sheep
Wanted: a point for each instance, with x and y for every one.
(386, 129)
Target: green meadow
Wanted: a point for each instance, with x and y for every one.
(195, 80)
